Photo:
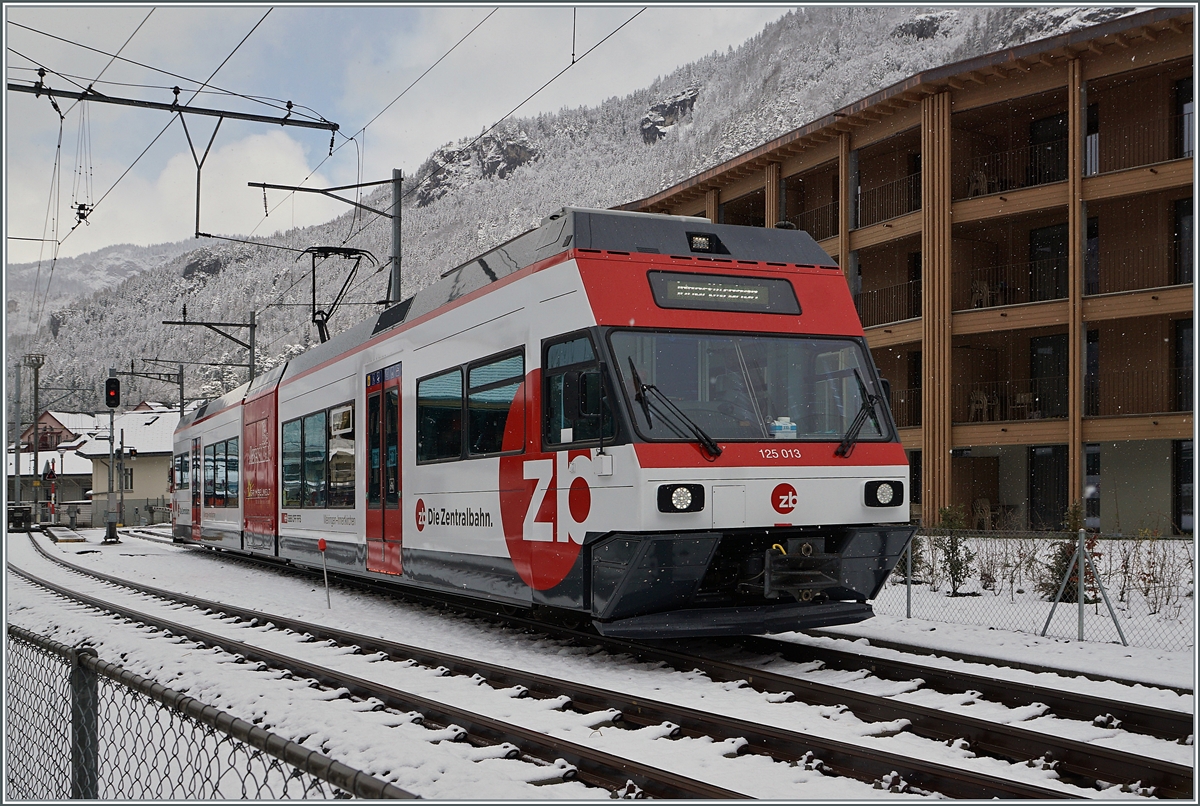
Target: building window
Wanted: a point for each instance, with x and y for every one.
(1183, 359)
(1091, 258)
(1183, 512)
(128, 478)
(1091, 487)
(1047, 486)
(1183, 241)
(914, 477)
(1091, 147)
(1091, 378)
(1185, 118)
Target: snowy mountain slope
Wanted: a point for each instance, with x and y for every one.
(799, 68)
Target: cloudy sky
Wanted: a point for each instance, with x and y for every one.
(344, 64)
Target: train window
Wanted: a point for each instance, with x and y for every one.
(231, 473)
(181, 471)
(210, 474)
(293, 472)
(439, 417)
(391, 448)
(492, 388)
(373, 463)
(341, 456)
(575, 399)
(314, 459)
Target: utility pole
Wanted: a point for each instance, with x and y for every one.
(213, 326)
(171, 377)
(39, 89)
(397, 181)
(16, 438)
(110, 515)
(35, 361)
(121, 480)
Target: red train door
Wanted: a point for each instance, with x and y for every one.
(197, 486)
(384, 495)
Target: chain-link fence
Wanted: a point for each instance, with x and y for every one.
(80, 727)
(1010, 580)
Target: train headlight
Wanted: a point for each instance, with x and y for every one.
(884, 493)
(680, 497)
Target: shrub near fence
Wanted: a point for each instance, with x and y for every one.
(79, 727)
(1008, 580)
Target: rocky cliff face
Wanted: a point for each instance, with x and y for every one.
(494, 156)
(665, 114)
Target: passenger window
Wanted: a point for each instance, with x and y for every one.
(492, 389)
(575, 400)
(293, 475)
(210, 475)
(231, 473)
(314, 460)
(341, 456)
(439, 417)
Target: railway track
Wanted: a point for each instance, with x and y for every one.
(1083, 764)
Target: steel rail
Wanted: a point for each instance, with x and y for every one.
(842, 758)
(593, 767)
(1161, 723)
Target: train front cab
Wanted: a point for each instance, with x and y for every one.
(801, 513)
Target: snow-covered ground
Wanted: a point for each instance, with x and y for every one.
(390, 746)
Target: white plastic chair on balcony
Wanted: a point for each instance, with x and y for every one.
(1022, 401)
(982, 514)
(979, 406)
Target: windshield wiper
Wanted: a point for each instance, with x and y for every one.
(709, 444)
(867, 409)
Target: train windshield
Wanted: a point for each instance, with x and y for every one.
(747, 386)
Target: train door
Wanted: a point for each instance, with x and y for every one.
(384, 495)
(197, 487)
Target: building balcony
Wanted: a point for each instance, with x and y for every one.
(1161, 390)
(1152, 265)
(1008, 400)
(1010, 284)
(888, 201)
(1016, 168)
(894, 303)
(1143, 142)
(906, 407)
(820, 222)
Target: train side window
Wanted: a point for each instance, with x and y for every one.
(492, 386)
(439, 417)
(293, 470)
(219, 497)
(181, 471)
(341, 456)
(574, 399)
(231, 473)
(314, 460)
(210, 475)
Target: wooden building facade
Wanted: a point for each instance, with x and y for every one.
(1017, 232)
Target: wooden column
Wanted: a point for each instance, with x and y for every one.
(711, 200)
(773, 215)
(843, 256)
(1076, 251)
(935, 305)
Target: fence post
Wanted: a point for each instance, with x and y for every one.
(908, 580)
(85, 737)
(1080, 553)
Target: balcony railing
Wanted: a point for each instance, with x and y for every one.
(1016, 168)
(1014, 399)
(1138, 391)
(894, 303)
(1010, 284)
(1148, 266)
(819, 222)
(1143, 142)
(889, 201)
(906, 407)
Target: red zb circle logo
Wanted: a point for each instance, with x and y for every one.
(420, 515)
(784, 498)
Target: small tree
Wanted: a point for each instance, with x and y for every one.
(1059, 564)
(957, 556)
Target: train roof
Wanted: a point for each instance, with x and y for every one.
(573, 228)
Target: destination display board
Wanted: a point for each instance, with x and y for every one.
(714, 292)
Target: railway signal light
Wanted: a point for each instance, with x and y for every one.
(112, 392)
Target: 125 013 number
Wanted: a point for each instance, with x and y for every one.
(780, 453)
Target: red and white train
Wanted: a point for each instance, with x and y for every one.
(666, 426)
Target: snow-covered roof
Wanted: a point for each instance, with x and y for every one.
(149, 432)
(75, 465)
(76, 422)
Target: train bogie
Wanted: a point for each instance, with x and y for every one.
(661, 425)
